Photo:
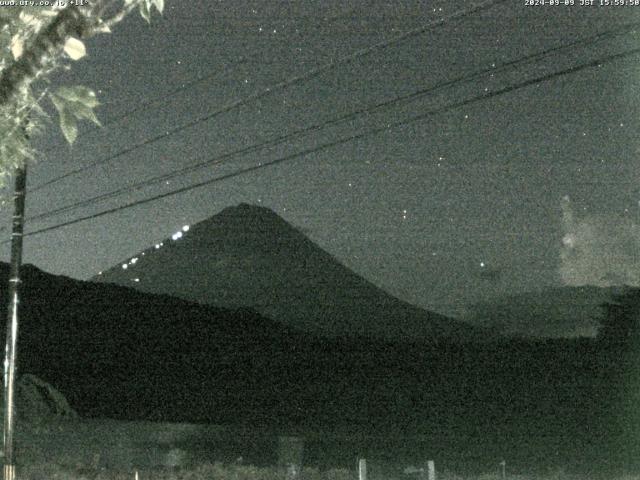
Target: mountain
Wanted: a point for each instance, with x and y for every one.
(562, 312)
(119, 353)
(247, 256)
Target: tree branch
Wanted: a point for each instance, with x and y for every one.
(118, 17)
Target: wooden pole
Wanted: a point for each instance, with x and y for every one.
(11, 348)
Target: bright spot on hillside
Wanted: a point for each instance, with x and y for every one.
(176, 236)
(185, 228)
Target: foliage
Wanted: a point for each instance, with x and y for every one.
(73, 104)
(22, 31)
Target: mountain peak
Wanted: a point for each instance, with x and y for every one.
(248, 208)
(248, 211)
(248, 256)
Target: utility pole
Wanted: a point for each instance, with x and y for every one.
(72, 21)
(11, 348)
(69, 21)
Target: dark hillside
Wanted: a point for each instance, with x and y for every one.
(119, 353)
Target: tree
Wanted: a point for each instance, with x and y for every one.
(34, 43)
(37, 41)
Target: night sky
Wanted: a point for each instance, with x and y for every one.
(532, 188)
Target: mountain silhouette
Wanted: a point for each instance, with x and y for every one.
(116, 352)
(248, 256)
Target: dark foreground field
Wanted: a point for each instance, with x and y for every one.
(114, 450)
(115, 353)
(118, 449)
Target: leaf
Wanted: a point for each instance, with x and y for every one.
(80, 94)
(145, 10)
(17, 46)
(75, 48)
(159, 4)
(58, 102)
(65, 121)
(68, 125)
(80, 111)
(73, 104)
(29, 19)
(102, 28)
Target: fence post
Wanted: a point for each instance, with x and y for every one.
(431, 469)
(362, 469)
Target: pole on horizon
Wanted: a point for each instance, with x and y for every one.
(11, 348)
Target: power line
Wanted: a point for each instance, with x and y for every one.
(92, 128)
(145, 105)
(283, 85)
(185, 86)
(334, 121)
(478, 98)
